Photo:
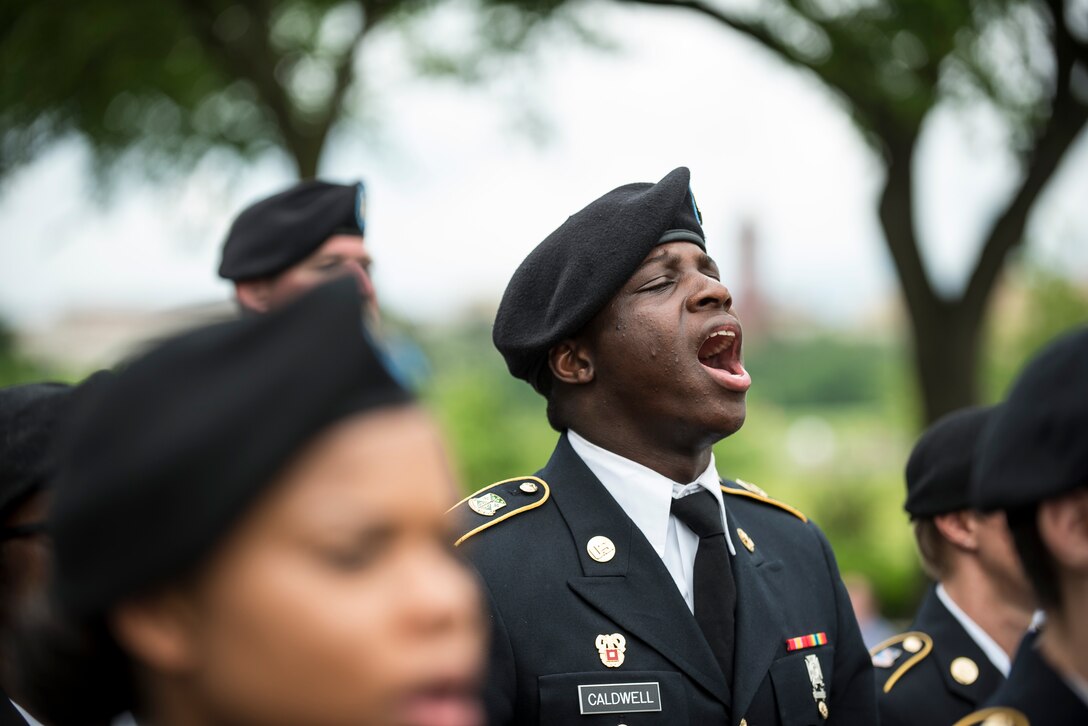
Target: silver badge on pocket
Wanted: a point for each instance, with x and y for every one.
(816, 678)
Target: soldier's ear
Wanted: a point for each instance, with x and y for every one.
(959, 528)
(254, 295)
(159, 630)
(571, 362)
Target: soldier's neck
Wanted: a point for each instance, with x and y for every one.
(1004, 619)
(1064, 641)
(679, 464)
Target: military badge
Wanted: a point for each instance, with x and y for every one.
(487, 504)
(611, 649)
(816, 678)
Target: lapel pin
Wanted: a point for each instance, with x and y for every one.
(601, 549)
(746, 540)
(964, 670)
(816, 678)
(487, 504)
(611, 649)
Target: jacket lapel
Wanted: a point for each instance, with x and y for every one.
(951, 641)
(634, 588)
(758, 621)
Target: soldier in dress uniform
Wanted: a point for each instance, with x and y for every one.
(304, 236)
(959, 648)
(1032, 463)
(627, 582)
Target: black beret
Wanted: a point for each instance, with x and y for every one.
(282, 230)
(939, 467)
(1034, 448)
(29, 418)
(576, 270)
(162, 461)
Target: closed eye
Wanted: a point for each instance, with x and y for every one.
(659, 283)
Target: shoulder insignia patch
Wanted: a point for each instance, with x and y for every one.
(741, 488)
(997, 716)
(886, 654)
(499, 502)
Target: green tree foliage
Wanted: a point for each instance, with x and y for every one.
(14, 367)
(173, 79)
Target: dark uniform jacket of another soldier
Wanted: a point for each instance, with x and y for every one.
(1034, 695)
(615, 638)
(933, 674)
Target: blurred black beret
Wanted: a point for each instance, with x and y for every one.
(161, 462)
(282, 230)
(1035, 448)
(939, 468)
(576, 270)
(29, 418)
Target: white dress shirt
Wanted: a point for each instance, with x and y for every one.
(989, 646)
(646, 497)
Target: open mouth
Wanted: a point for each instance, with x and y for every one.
(720, 356)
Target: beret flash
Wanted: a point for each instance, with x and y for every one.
(161, 461)
(939, 468)
(282, 230)
(1034, 447)
(570, 276)
(29, 417)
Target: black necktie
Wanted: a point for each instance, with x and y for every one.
(715, 592)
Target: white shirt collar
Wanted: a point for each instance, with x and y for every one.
(989, 646)
(642, 493)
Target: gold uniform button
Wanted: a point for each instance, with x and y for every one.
(913, 644)
(964, 670)
(746, 540)
(529, 487)
(823, 710)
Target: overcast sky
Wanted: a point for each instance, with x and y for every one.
(459, 190)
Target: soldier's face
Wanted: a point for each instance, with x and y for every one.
(667, 348)
(341, 255)
(339, 599)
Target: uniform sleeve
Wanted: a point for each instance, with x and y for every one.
(853, 697)
(500, 689)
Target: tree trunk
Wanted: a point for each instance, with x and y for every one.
(306, 156)
(946, 356)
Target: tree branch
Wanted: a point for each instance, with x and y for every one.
(256, 63)
(897, 220)
(1067, 119)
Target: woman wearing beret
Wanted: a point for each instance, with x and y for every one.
(249, 529)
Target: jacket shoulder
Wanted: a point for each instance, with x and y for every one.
(746, 490)
(497, 503)
(997, 716)
(898, 655)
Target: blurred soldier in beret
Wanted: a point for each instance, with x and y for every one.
(628, 582)
(293, 241)
(249, 527)
(1032, 464)
(29, 416)
(959, 647)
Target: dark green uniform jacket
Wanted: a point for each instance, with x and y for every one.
(1034, 695)
(556, 609)
(934, 673)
